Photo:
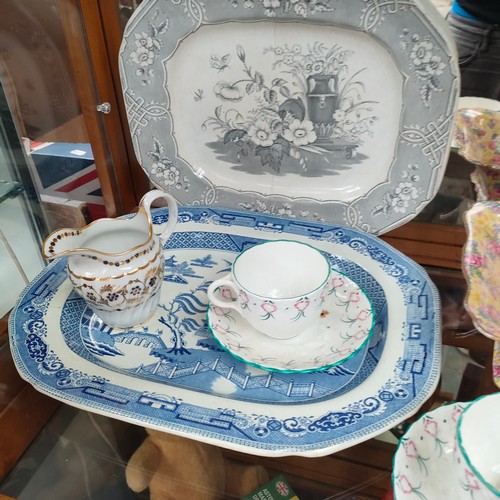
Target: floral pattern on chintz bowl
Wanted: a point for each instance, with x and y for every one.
(469, 102)
(487, 183)
(344, 328)
(477, 135)
(481, 264)
(236, 103)
(423, 462)
(496, 364)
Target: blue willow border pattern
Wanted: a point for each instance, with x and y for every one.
(413, 375)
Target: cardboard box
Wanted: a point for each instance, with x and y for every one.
(58, 161)
(277, 489)
(67, 171)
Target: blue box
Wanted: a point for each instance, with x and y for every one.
(56, 161)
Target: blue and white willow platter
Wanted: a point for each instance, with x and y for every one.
(223, 401)
(172, 344)
(335, 110)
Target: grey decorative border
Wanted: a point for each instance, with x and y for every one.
(420, 45)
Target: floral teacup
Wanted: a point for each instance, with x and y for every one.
(277, 286)
(478, 135)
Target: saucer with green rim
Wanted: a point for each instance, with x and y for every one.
(342, 332)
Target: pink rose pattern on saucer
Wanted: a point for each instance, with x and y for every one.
(344, 329)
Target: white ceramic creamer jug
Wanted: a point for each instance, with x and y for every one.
(117, 265)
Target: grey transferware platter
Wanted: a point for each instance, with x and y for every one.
(338, 111)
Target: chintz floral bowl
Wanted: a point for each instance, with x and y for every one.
(477, 135)
(481, 265)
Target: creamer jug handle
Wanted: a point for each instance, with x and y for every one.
(166, 228)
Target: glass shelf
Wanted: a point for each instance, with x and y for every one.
(9, 189)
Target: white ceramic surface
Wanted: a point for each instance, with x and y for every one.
(423, 466)
(238, 103)
(344, 328)
(477, 450)
(208, 395)
(279, 287)
(116, 265)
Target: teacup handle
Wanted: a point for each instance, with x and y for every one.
(173, 212)
(227, 282)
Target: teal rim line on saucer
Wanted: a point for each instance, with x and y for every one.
(306, 370)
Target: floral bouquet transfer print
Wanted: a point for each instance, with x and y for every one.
(312, 104)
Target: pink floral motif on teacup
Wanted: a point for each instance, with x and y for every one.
(281, 286)
(227, 293)
(269, 308)
(301, 306)
(244, 300)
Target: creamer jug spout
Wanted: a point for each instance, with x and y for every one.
(65, 241)
(117, 265)
(102, 238)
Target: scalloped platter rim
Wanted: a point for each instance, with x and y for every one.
(236, 103)
(405, 376)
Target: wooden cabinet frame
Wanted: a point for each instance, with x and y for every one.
(94, 55)
(437, 245)
(95, 66)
